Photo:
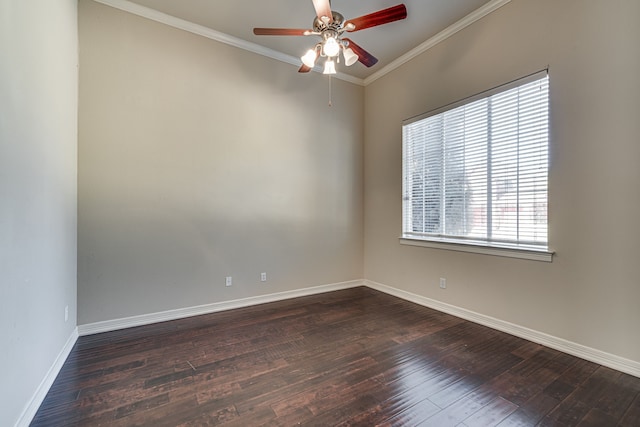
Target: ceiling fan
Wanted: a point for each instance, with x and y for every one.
(330, 26)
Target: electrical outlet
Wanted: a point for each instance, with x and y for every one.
(66, 313)
(228, 281)
(443, 283)
(263, 277)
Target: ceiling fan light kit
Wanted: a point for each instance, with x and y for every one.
(330, 26)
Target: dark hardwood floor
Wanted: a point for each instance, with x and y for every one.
(353, 357)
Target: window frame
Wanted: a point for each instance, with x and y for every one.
(465, 244)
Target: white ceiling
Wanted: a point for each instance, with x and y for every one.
(237, 18)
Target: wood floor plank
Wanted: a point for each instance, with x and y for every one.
(558, 389)
(597, 418)
(531, 412)
(449, 394)
(453, 414)
(632, 415)
(491, 414)
(411, 413)
(356, 357)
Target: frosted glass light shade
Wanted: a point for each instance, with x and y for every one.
(331, 48)
(309, 58)
(329, 67)
(350, 57)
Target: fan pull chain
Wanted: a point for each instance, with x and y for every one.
(330, 104)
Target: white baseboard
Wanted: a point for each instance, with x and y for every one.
(618, 363)
(147, 319)
(41, 392)
(622, 364)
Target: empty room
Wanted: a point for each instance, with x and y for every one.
(384, 212)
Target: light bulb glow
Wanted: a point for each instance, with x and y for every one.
(309, 58)
(331, 47)
(329, 67)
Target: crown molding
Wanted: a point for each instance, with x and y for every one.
(438, 38)
(218, 36)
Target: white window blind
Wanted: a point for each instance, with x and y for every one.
(476, 171)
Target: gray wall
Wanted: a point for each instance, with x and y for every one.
(38, 143)
(590, 293)
(198, 161)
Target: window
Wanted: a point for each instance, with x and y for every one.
(475, 172)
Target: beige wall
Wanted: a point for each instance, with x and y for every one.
(198, 161)
(590, 293)
(38, 143)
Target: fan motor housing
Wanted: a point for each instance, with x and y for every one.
(319, 26)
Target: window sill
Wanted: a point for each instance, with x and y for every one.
(529, 253)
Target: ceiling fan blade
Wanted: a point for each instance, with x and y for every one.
(323, 8)
(281, 32)
(380, 17)
(363, 56)
(304, 69)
